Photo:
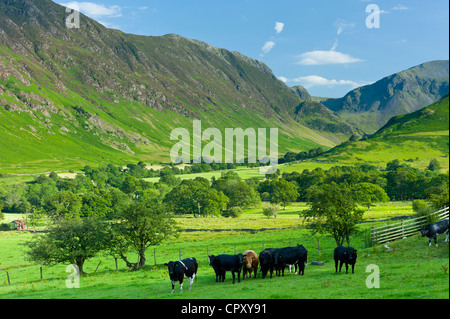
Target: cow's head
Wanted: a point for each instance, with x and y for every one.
(277, 259)
(212, 258)
(350, 254)
(248, 260)
(240, 260)
(265, 257)
(425, 231)
(171, 266)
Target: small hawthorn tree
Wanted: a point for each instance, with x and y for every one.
(333, 211)
(143, 224)
(68, 241)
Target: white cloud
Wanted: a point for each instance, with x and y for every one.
(326, 57)
(279, 26)
(400, 7)
(268, 46)
(343, 25)
(335, 44)
(94, 10)
(283, 79)
(315, 80)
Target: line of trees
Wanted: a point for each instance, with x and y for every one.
(112, 209)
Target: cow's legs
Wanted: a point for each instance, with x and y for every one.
(191, 281)
(173, 286)
(353, 268)
(181, 285)
(446, 237)
(232, 273)
(336, 263)
(340, 265)
(346, 268)
(435, 240)
(239, 276)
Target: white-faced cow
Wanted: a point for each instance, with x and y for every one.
(435, 229)
(251, 260)
(345, 255)
(178, 270)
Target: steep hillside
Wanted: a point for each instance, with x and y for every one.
(415, 138)
(371, 106)
(94, 95)
(317, 116)
(432, 119)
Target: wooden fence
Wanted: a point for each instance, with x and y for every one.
(404, 228)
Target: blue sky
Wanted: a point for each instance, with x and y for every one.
(323, 45)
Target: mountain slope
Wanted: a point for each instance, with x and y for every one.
(431, 119)
(71, 97)
(371, 106)
(317, 116)
(415, 138)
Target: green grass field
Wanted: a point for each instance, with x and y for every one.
(410, 269)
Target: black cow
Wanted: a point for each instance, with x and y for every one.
(223, 263)
(214, 262)
(178, 270)
(432, 230)
(266, 262)
(296, 256)
(345, 255)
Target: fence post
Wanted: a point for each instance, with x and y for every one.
(41, 272)
(318, 246)
(372, 233)
(179, 253)
(154, 255)
(7, 275)
(403, 230)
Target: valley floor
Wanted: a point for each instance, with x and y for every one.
(408, 269)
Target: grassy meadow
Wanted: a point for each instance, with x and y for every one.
(410, 269)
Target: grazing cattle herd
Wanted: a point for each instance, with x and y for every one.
(276, 259)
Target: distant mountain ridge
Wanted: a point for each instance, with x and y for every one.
(413, 138)
(371, 106)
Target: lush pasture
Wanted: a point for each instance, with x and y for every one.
(410, 269)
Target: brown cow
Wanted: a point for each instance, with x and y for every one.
(250, 263)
